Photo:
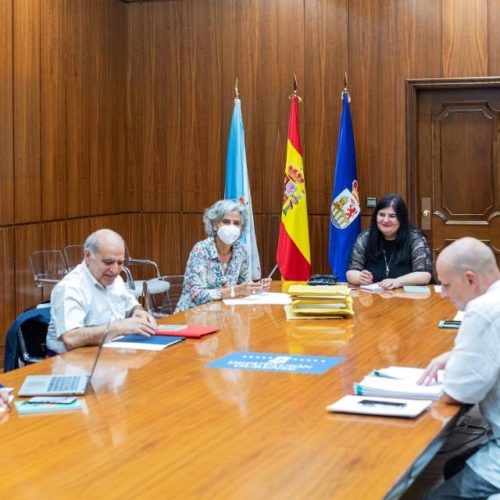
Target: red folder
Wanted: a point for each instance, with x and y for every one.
(190, 331)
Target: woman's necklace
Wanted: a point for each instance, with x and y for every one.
(387, 263)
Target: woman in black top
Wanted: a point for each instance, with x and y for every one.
(391, 252)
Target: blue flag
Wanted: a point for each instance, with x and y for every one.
(345, 220)
(238, 188)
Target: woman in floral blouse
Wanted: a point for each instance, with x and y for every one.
(217, 267)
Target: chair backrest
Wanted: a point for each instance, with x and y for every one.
(25, 339)
(47, 266)
(73, 255)
(163, 302)
(32, 336)
(174, 292)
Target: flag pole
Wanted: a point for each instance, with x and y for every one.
(293, 254)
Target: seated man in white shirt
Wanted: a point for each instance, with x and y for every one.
(92, 301)
(470, 277)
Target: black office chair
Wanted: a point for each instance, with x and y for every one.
(25, 341)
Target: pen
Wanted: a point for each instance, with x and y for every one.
(273, 271)
(372, 402)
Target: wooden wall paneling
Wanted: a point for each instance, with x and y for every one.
(53, 103)
(465, 37)
(192, 232)
(77, 231)
(117, 35)
(136, 101)
(78, 116)
(418, 55)
(53, 238)
(493, 37)
(121, 223)
(291, 60)
(326, 60)
(102, 167)
(27, 110)
(6, 112)
(28, 238)
(268, 237)
(163, 242)
(162, 134)
(245, 39)
(202, 52)
(136, 236)
(53, 235)
(276, 84)
(7, 278)
(319, 238)
(372, 40)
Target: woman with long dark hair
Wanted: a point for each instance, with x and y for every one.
(390, 252)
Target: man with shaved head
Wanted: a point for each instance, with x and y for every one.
(470, 278)
(92, 301)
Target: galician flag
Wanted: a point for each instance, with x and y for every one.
(238, 188)
(345, 221)
(293, 255)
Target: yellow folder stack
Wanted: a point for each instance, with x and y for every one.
(324, 300)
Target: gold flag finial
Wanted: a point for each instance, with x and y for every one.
(345, 82)
(295, 88)
(236, 92)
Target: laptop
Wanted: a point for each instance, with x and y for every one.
(59, 385)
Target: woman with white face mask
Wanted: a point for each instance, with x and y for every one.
(218, 266)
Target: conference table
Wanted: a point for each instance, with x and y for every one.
(161, 424)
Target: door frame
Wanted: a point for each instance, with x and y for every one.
(413, 86)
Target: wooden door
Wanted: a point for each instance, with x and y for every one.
(453, 160)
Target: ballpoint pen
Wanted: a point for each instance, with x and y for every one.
(272, 271)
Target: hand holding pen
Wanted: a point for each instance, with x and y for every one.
(266, 282)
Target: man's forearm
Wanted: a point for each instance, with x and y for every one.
(87, 335)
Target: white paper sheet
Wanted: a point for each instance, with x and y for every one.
(260, 299)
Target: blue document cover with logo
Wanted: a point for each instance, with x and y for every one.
(136, 341)
(285, 363)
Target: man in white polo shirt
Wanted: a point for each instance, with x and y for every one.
(469, 276)
(92, 301)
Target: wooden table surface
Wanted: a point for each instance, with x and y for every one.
(162, 424)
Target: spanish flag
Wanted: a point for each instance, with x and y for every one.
(293, 255)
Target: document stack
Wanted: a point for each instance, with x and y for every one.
(398, 382)
(392, 392)
(323, 301)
